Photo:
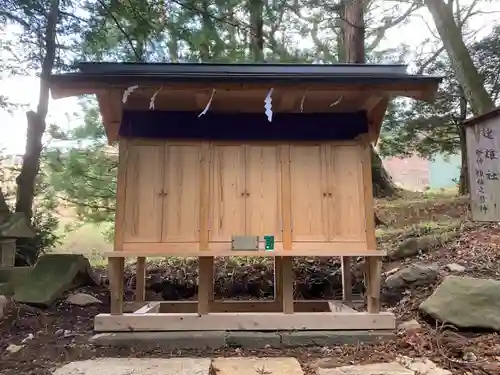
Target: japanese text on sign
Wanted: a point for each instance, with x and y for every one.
(484, 170)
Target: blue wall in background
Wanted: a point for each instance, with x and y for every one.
(443, 170)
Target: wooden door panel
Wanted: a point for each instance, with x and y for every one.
(181, 200)
(263, 184)
(346, 208)
(143, 208)
(227, 182)
(308, 184)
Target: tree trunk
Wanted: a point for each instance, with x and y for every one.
(36, 121)
(354, 32)
(461, 61)
(4, 208)
(383, 186)
(352, 37)
(463, 184)
(256, 8)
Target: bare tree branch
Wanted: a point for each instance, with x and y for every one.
(430, 60)
(380, 31)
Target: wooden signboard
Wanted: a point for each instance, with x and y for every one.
(483, 152)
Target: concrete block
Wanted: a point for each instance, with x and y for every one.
(166, 340)
(327, 338)
(253, 340)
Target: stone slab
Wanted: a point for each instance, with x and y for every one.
(253, 340)
(166, 340)
(326, 338)
(391, 368)
(254, 365)
(142, 366)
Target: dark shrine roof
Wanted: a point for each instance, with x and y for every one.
(116, 73)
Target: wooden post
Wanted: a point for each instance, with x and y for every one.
(116, 268)
(278, 281)
(205, 285)
(374, 268)
(373, 265)
(346, 280)
(206, 264)
(286, 265)
(140, 279)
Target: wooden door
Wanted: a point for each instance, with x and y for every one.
(227, 191)
(143, 199)
(181, 192)
(346, 203)
(263, 187)
(309, 192)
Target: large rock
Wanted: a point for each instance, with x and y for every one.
(414, 245)
(413, 275)
(466, 302)
(53, 275)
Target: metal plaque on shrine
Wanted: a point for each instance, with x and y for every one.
(483, 153)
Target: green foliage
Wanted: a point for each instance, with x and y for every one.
(430, 129)
(486, 53)
(45, 224)
(85, 176)
(44, 220)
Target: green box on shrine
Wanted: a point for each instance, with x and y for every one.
(269, 242)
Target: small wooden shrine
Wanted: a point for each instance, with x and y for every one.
(243, 160)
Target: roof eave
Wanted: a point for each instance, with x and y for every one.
(73, 84)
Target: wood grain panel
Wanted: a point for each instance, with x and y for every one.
(181, 202)
(263, 185)
(143, 201)
(227, 192)
(308, 182)
(346, 219)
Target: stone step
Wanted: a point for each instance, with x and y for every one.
(256, 366)
(243, 366)
(139, 366)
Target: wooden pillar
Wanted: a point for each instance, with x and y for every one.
(206, 264)
(286, 265)
(374, 269)
(278, 282)
(140, 279)
(373, 265)
(346, 280)
(205, 285)
(116, 269)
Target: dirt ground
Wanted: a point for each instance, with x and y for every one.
(60, 334)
